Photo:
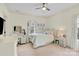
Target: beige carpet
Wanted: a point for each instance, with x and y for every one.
(49, 50)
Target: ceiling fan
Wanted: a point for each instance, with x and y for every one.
(44, 7)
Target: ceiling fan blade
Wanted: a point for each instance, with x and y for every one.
(48, 9)
(44, 6)
(38, 8)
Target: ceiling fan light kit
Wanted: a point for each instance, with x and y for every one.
(44, 7)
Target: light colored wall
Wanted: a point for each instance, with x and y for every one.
(6, 43)
(19, 19)
(66, 19)
(8, 46)
(4, 13)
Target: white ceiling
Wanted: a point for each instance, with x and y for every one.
(31, 8)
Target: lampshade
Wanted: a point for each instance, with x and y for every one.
(60, 32)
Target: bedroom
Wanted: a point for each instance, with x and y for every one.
(41, 27)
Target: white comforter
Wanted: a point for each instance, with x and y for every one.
(41, 40)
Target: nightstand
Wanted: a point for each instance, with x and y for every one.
(56, 41)
(22, 39)
(60, 41)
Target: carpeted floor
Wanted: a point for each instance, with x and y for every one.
(49, 50)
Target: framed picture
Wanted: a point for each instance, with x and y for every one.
(18, 29)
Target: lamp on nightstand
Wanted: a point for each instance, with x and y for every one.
(61, 36)
(60, 32)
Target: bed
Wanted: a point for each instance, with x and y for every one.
(41, 39)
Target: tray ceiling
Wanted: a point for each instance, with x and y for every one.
(31, 8)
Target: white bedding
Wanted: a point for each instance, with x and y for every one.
(41, 40)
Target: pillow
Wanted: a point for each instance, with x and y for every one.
(42, 40)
